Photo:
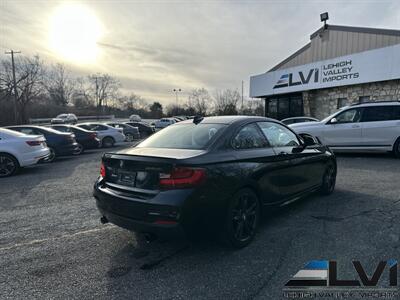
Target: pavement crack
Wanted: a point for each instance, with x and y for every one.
(339, 219)
(151, 264)
(273, 273)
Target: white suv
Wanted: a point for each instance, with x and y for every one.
(361, 127)
(64, 119)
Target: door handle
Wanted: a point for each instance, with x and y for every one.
(355, 126)
(283, 153)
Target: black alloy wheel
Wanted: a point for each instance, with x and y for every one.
(129, 137)
(79, 150)
(108, 142)
(242, 218)
(396, 148)
(8, 165)
(52, 156)
(329, 180)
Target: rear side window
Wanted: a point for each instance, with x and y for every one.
(278, 135)
(380, 113)
(249, 137)
(63, 129)
(29, 131)
(99, 127)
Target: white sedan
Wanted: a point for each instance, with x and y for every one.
(108, 135)
(20, 150)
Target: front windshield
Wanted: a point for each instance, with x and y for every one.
(183, 136)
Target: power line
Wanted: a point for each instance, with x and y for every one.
(12, 52)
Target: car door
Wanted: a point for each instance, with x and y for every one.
(380, 126)
(344, 130)
(303, 169)
(257, 161)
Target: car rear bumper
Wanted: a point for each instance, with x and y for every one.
(66, 149)
(157, 215)
(34, 157)
(91, 144)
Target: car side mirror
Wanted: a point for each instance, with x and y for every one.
(308, 140)
(333, 121)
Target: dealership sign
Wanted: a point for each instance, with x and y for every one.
(368, 66)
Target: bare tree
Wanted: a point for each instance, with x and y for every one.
(226, 102)
(199, 100)
(29, 73)
(103, 87)
(58, 84)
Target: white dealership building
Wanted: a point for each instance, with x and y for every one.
(341, 65)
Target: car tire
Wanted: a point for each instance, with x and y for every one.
(108, 142)
(79, 150)
(129, 137)
(396, 148)
(52, 155)
(8, 165)
(241, 220)
(328, 180)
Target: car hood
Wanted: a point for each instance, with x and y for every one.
(162, 152)
(305, 125)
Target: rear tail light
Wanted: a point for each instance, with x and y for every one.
(182, 177)
(34, 143)
(102, 170)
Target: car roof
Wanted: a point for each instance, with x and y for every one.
(377, 103)
(228, 119)
(48, 129)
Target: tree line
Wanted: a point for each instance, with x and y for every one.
(44, 90)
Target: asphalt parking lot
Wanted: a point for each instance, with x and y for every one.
(52, 244)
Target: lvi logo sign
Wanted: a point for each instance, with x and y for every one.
(323, 273)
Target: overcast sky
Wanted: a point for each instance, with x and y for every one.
(156, 46)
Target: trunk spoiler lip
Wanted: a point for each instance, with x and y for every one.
(138, 157)
(153, 157)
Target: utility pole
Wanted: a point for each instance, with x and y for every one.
(242, 95)
(12, 52)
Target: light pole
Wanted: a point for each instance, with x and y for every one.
(176, 91)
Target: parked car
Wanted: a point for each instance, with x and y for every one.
(86, 139)
(293, 120)
(59, 143)
(180, 118)
(358, 128)
(64, 119)
(108, 135)
(131, 132)
(135, 118)
(216, 173)
(19, 150)
(145, 129)
(164, 122)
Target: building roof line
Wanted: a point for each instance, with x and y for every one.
(301, 50)
(370, 30)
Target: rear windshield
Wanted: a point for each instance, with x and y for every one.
(184, 136)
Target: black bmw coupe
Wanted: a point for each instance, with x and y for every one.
(215, 172)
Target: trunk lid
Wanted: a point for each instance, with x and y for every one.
(138, 169)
